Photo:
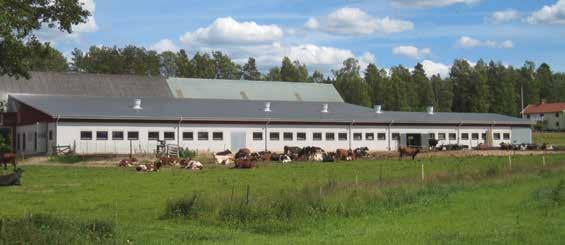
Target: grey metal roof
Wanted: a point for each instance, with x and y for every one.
(196, 88)
(154, 108)
(85, 84)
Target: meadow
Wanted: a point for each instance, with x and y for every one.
(555, 138)
(467, 200)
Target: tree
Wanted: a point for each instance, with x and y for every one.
(317, 77)
(479, 88)
(396, 90)
(224, 67)
(376, 81)
(20, 19)
(274, 74)
(548, 89)
(350, 85)
(288, 71)
(250, 71)
(168, 64)
(461, 75)
(443, 89)
(45, 58)
(423, 88)
(203, 66)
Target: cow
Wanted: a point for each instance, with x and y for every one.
(12, 179)
(361, 152)
(285, 158)
(149, 167)
(125, 163)
(343, 154)
(329, 157)
(265, 155)
(224, 157)
(242, 153)
(224, 153)
(293, 152)
(8, 158)
(433, 143)
(245, 163)
(168, 161)
(408, 151)
(504, 146)
(194, 165)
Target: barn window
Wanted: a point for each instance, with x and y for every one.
(202, 135)
(169, 135)
(395, 136)
(317, 136)
(484, 136)
(257, 136)
(133, 135)
(330, 136)
(287, 136)
(464, 136)
(496, 136)
(342, 136)
(556, 124)
(218, 136)
(474, 136)
(452, 136)
(117, 135)
(528, 116)
(85, 135)
(357, 136)
(274, 136)
(506, 136)
(557, 114)
(381, 136)
(101, 135)
(369, 136)
(441, 136)
(187, 136)
(24, 142)
(432, 135)
(153, 135)
(18, 142)
(50, 134)
(301, 136)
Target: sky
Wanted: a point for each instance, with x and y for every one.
(322, 34)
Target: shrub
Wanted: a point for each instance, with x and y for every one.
(186, 153)
(184, 207)
(72, 158)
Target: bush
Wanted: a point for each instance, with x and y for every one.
(186, 153)
(72, 158)
(187, 207)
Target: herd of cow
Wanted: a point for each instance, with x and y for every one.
(161, 162)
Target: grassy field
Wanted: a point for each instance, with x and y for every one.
(556, 138)
(473, 200)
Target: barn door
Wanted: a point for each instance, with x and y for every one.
(237, 140)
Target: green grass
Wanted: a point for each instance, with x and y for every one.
(555, 138)
(473, 200)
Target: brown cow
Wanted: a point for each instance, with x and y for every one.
(8, 158)
(343, 154)
(245, 163)
(242, 153)
(265, 155)
(168, 161)
(408, 151)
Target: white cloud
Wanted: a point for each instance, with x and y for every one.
(353, 21)
(229, 31)
(54, 34)
(552, 14)
(164, 45)
(503, 16)
(429, 3)
(411, 51)
(433, 68)
(469, 42)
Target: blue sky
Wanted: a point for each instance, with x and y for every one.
(324, 33)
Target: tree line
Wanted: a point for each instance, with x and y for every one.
(481, 87)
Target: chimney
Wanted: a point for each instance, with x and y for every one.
(267, 107)
(430, 110)
(137, 104)
(378, 109)
(324, 108)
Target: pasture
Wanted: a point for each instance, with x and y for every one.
(468, 200)
(555, 138)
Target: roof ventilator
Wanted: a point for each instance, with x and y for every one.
(137, 104)
(378, 109)
(267, 107)
(324, 108)
(430, 110)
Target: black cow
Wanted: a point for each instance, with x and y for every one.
(12, 179)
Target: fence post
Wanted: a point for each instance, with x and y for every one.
(543, 160)
(510, 162)
(247, 196)
(356, 181)
(423, 175)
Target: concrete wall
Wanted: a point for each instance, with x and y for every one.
(236, 135)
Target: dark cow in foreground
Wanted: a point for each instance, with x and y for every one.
(408, 151)
(293, 151)
(361, 152)
(433, 143)
(243, 153)
(8, 158)
(245, 163)
(12, 179)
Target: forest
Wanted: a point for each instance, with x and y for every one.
(485, 86)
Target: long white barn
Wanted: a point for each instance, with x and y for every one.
(103, 125)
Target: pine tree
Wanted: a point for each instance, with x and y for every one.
(548, 90)
(423, 88)
(184, 68)
(350, 85)
(250, 71)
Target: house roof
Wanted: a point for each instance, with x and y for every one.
(84, 84)
(120, 108)
(196, 88)
(544, 108)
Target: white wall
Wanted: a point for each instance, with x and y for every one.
(68, 133)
